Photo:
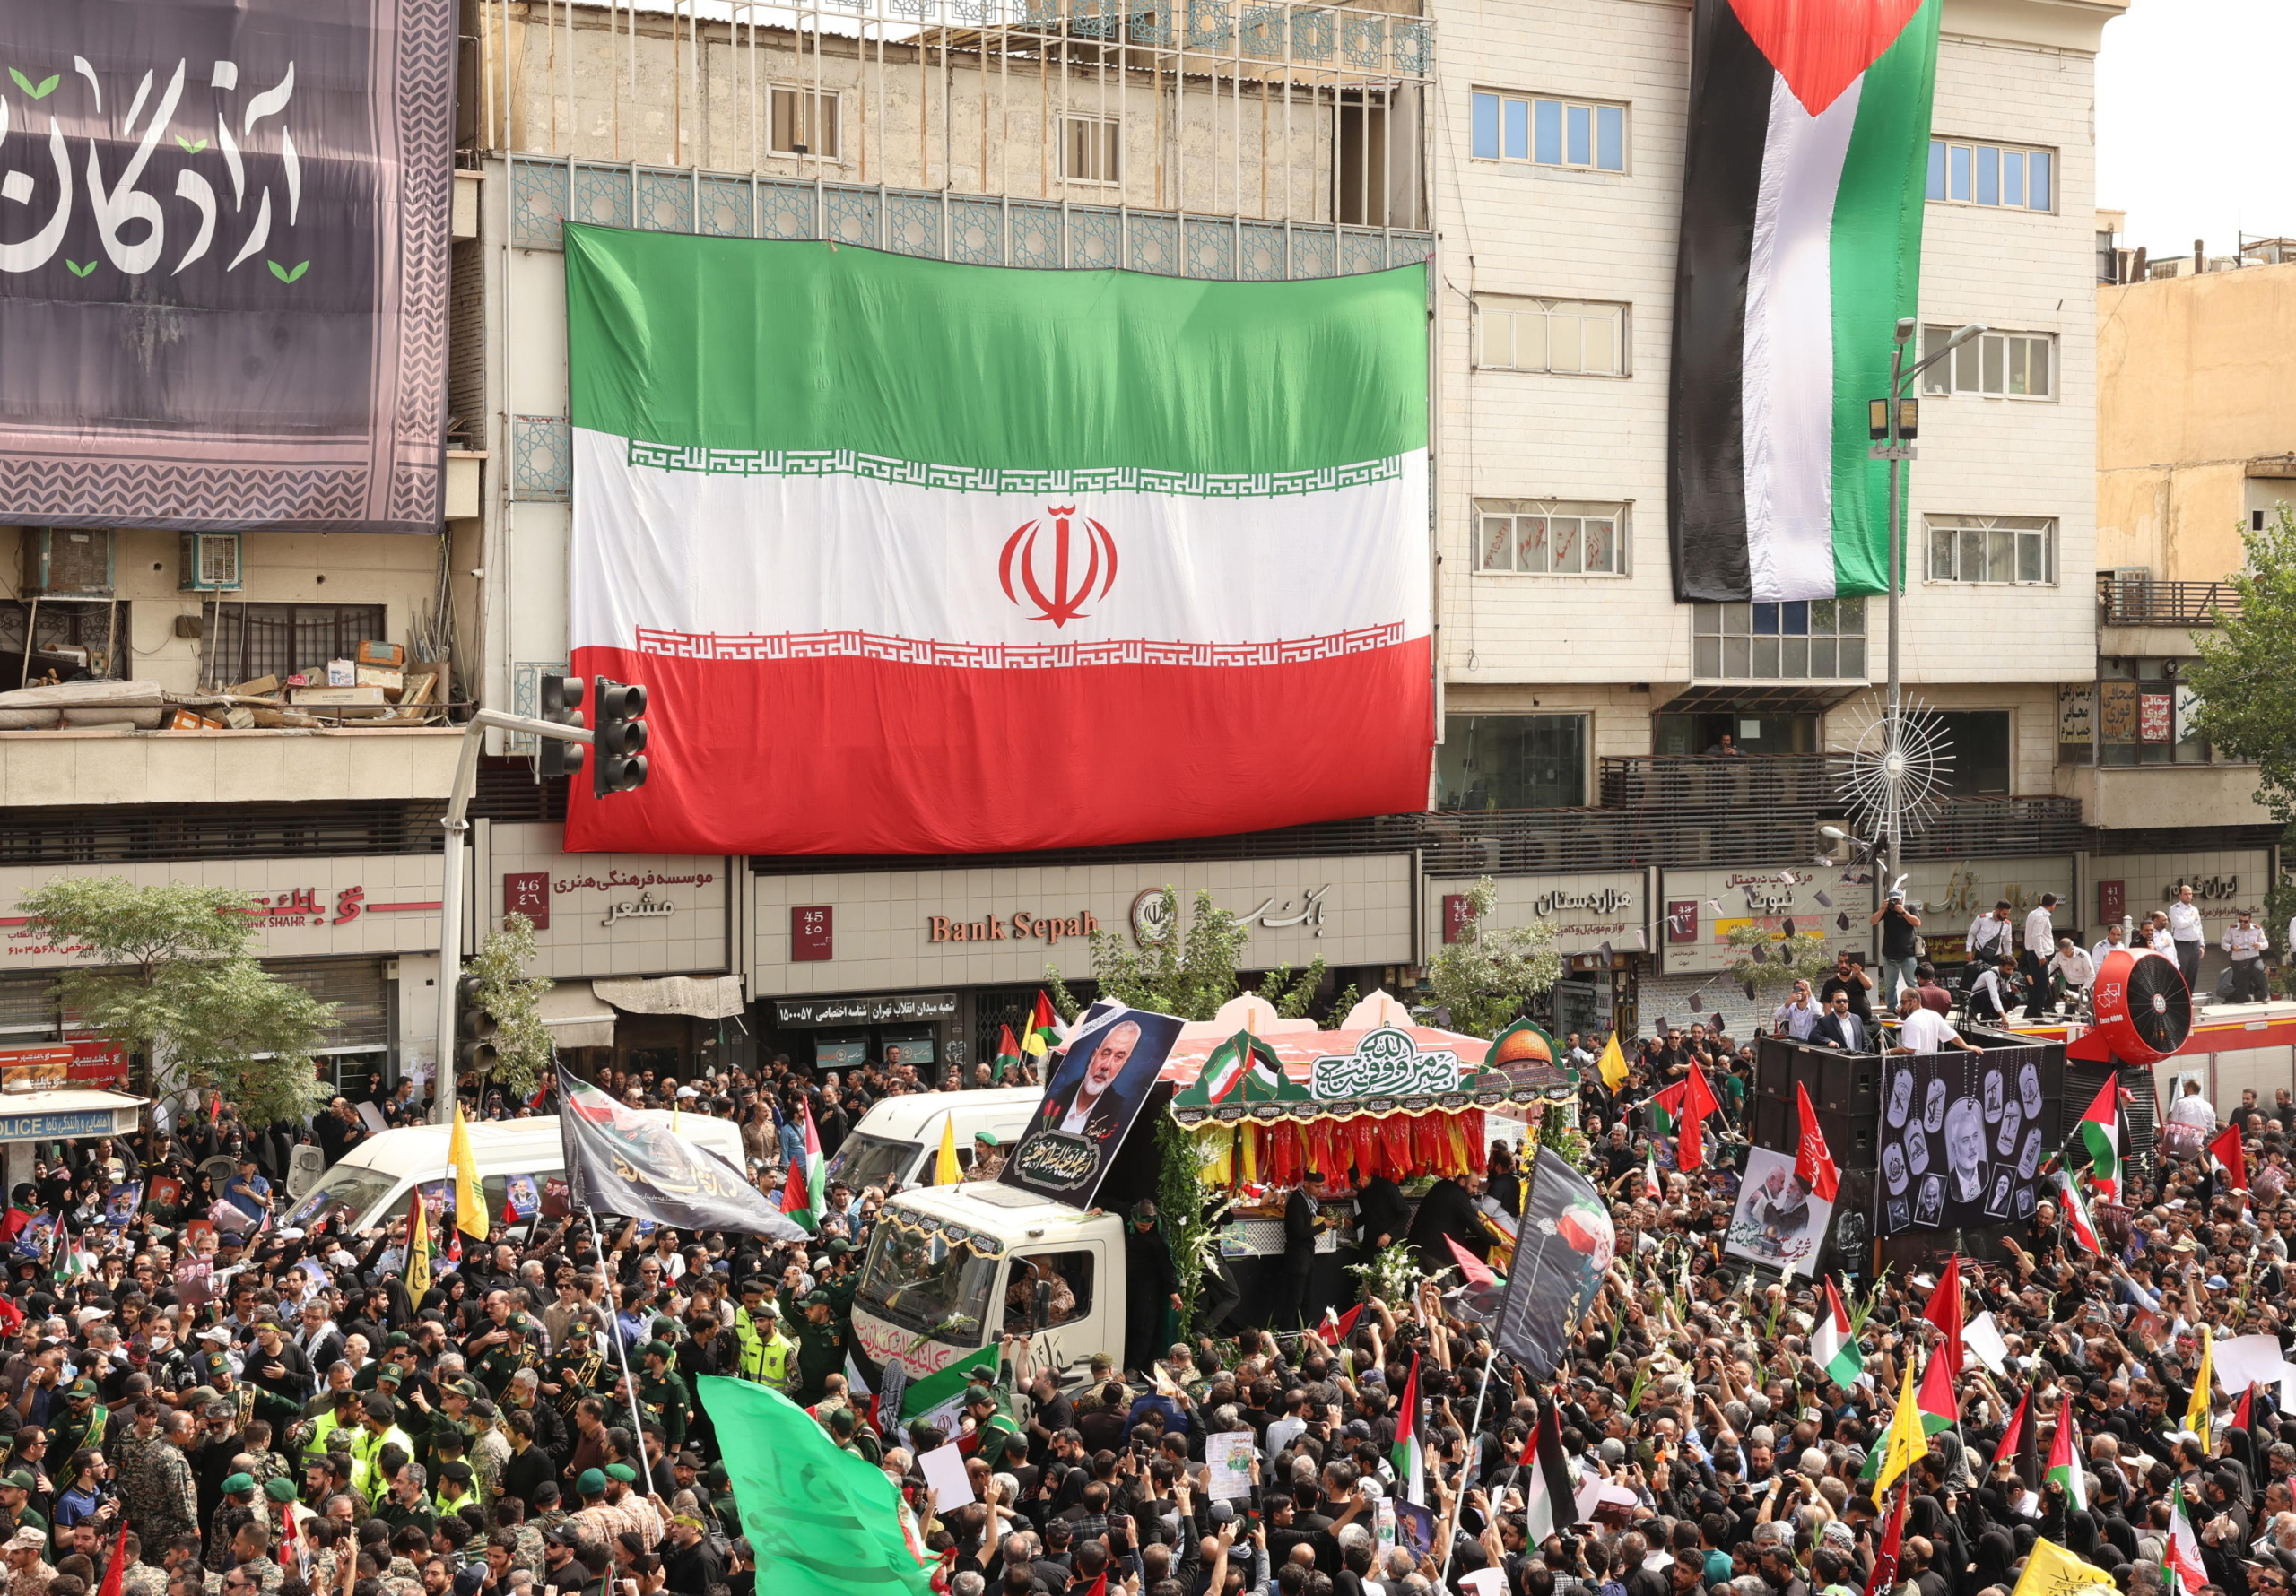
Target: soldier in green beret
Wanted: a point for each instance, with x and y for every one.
(821, 1347)
(502, 1361)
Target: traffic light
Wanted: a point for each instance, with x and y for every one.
(474, 1050)
(562, 702)
(619, 740)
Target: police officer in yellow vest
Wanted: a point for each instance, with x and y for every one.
(378, 1433)
(766, 1353)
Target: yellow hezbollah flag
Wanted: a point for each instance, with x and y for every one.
(418, 1249)
(1906, 1443)
(2052, 1571)
(470, 1217)
(945, 1172)
(2203, 1391)
(1611, 1065)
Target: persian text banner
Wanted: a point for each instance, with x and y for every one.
(223, 263)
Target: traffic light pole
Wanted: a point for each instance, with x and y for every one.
(451, 887)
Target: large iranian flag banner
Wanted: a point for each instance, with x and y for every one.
(915, 557)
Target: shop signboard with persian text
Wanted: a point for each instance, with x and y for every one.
(299, 908)
(1702, 908)
(600, 914)
(1590, 911)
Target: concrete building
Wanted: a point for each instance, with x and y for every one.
(1228, 140)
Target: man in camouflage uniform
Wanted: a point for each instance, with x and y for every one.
(28, 1571)
(514, 1353)
(85, 1421)
(237, 1501)
(156, 1489)
(489, 1449)
(252, 1570)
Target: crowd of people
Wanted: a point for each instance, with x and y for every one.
(202, 1397)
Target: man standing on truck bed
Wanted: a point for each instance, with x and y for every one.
(1151, 1285)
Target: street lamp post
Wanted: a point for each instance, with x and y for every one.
(1893, 423)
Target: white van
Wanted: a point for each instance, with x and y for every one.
(517, 1162)
(898, 1140)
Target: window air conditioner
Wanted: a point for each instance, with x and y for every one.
(210, 562)
(65, 560)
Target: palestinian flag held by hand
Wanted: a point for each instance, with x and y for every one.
(1834, 1345)
(2065, 1459)
(1941, 1408)
(1800, 249)
(1337, 1327)
(1550, 1494)
(2013, 1437)
(2076, 1214)
(1411, 1477)
(1044, 1031)
(2100, 1132)
(1008, 1055)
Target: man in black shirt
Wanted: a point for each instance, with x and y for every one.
(1849, 976)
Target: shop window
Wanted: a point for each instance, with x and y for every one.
(1070, 1276)
(1512, 762)
(76, 639)
(245, 641)
(1978, 741)
(2145, 715)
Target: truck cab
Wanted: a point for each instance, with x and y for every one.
(952, 1269)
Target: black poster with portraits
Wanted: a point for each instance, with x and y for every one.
(224, 234)
(1093, 1092)
(1962, 1137)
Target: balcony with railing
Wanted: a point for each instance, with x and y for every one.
(2131, 598)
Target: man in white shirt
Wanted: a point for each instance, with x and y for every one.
(2244, 940)
(2189, 934)
(2157, 936)
(1989, 992)
(2041, 946)
(2070, 972)
(2192, 1109)
(1989, 935)
(2115, 942)
(1924, 1030)
(1796, 1018)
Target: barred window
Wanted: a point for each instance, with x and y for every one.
(245, 641)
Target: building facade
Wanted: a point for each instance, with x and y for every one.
(1533, 157)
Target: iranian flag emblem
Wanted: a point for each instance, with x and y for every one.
(1800, 250)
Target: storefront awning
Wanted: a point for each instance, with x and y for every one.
(68, 1115)
(704, 997)
(576, 1018)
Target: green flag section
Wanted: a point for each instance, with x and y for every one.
(2100, 1134)
(937, 1397)
(2065, 1461)
(821, 1520)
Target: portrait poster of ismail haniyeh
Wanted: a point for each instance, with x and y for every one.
(1093, 1093)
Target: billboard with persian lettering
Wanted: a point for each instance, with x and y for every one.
(224, 292)
(602, 914)
(1589, 910)
(300, 908)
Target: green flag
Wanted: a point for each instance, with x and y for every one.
(938, 1398)
(819, 1519)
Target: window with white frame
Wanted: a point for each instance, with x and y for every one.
(1540, 537)
(1968, 173)
(1091, 148)
(804, 121)
(1549, 132)
(1576, 337)
(1995, 365)
(1994, 549)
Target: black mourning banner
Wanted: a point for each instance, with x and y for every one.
(1962, 1138)
(223, 263)
(1562, 1249)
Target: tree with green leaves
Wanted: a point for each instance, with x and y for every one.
(512, 999)
(2245, 679)
(1191, 974)
(1484, 974)
(1768, 960)
(172, 978)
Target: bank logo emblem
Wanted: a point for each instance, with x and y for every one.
(1063, 562)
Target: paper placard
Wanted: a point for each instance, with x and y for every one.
(944, 1472)
(1229, 1457)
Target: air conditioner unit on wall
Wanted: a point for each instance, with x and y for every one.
(65, 560)
(210, 562)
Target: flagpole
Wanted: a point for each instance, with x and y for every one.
(1474, 1455)
(621, 1355)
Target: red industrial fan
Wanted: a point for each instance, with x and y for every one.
(2142, 1008)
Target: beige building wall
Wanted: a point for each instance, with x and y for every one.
(2192, 392)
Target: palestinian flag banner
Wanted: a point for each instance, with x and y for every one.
(1008, 1055)
(2065, 1459)
(939, 1398)
(1800, 249)
(2013, 1437)
(1411, 1477)
(1044, 1031)
(1834, 1345)
(879, 533)
(1941, 1408)
(803, 1194)
(1549, 1492)
(2100, 1134)
(2076, 1214)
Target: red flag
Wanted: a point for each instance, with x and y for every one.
(1100, 1587)
(1334, 1328)
(1693, 1101)
(509, 1212)
(12, 1317)
(542, 1090)
(1472, 1269)
(215, 1107)
(1814, 1164)
(2011, 1436)
(1885, 1566)
(116, 1571)
(2228, 1152)
(1944, 1312)
(1936, 1399)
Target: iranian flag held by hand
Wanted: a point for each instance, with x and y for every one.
(881, 534)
